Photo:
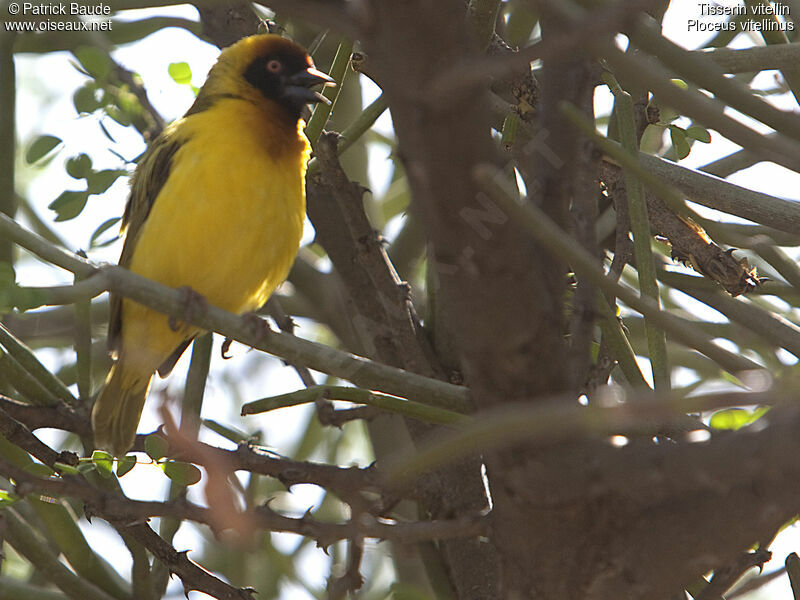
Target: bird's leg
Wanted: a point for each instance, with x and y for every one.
(193, 303)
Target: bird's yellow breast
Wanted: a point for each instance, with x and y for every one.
(228, 220)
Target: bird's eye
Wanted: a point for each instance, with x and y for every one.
(274, 66)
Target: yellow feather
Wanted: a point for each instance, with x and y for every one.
(227, 222)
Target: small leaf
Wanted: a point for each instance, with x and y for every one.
(85, 466)
(38, 469)
(156, 446)
(105, 131)
(69, 204)
(85, 99)
(65, 469)
(8, 287)
(26, 298)
(180, 72)
(100, 181)
(79, 166)
(94, 61)
(125, 464)
(730, 419)
(40, 147)
(103, 462)
(182, 473)
(7, 498)
(120, 116)
(105, 226)
(679, 142)
(698, 133)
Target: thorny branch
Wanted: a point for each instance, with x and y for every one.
(691, 245)
(120, 510)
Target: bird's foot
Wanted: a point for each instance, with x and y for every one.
(193, 304)
(257, 328)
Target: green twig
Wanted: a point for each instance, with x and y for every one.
(547, 232)
(640, 227)
(698, 68)
(560, 418)
(322, 111)
(708, 111)
(15, 589)
(8, 95)
(408, 408)
(61, 524)
(758, 58)
(359, 370)
(229, 433)
(193, 393)
(27, 359)
(719, 194)
(25, 383)
(619, 344)
(34, 548)
(83, 348)
(777, 37)
(357, 128)
(364, 121)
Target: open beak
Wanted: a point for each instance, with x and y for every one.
(301, 83)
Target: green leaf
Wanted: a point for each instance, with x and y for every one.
(105, 226)
(40, 147)
(156, 446)
(65, 469)
(125, 464)
(84, 466)
(181, 473)
(7, 498)
(698, 133)
(120, 116)
(79, 166)
(103, 462)
(85, 99)
(180, 72)
(736, 418)
(679, 142)
(8, 287)
(100, 181)
(69, 204)
(38, 469)
(94, 61)
(14, 296)
(26, 298)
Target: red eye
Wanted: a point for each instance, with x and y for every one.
(274, 66)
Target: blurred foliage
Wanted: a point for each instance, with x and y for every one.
(284, 565)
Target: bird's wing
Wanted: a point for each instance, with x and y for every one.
(150, 176)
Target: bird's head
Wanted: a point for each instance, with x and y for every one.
(270, 67)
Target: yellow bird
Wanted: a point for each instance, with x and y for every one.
(217, 204)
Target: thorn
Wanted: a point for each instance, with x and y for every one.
(226, 345)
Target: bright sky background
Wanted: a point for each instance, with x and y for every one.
(45, 87)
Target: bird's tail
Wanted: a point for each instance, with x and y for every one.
(116, 412)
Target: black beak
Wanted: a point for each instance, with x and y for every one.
(300, 84)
